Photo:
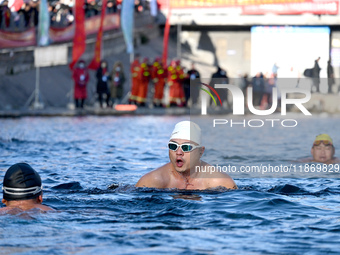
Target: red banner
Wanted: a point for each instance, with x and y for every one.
(97, 51)
(17, 39)
(111, 21)
(330, 8)
(57, 35)
(221, 3)
(260, 7)
(80, 36)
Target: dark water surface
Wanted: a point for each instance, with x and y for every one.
(79, 158)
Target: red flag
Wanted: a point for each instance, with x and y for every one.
(79, 33)
(16, 5)
(166, 37)
(94, 65)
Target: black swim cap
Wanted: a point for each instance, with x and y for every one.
(21, 182)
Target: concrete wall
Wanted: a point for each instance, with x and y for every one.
(227, 49)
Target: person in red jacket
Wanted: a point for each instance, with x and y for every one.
(159, 75)
(145, 76)
(135, 79)
(81, 78)
(176, 77)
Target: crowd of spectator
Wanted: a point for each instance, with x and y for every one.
(23, 14)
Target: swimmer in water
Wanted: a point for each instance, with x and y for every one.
(22, 190)
(323, 150)
(185, 169)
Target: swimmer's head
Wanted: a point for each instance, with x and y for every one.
(21, 182)
(187, 130)
(323, 149)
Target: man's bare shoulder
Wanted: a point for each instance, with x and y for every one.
(157, 178)
(219, 179)
(311, 160)
(3, 210)
(304, 160)
(223, 180)
(45, 208)
(11, 211)
(335, 161)
(17, 210)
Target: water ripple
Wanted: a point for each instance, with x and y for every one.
(89, 167)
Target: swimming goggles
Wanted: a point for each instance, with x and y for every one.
(186, 147)
(22, 191)
(325, 142)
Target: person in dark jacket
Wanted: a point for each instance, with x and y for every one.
(316, 75)
(258, 88)
(269, 84)
(117, 80)
(330, 76)
(245, 83)
(102, 76)
(220, 77)
(192, 85)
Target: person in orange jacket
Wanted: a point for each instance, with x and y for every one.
(145, 75)
(159, 75)
(135, 79)
(176, 77)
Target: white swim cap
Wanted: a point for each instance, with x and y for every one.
(187, 130)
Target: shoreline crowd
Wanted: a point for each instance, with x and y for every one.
(174, 85)
(21, 15)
